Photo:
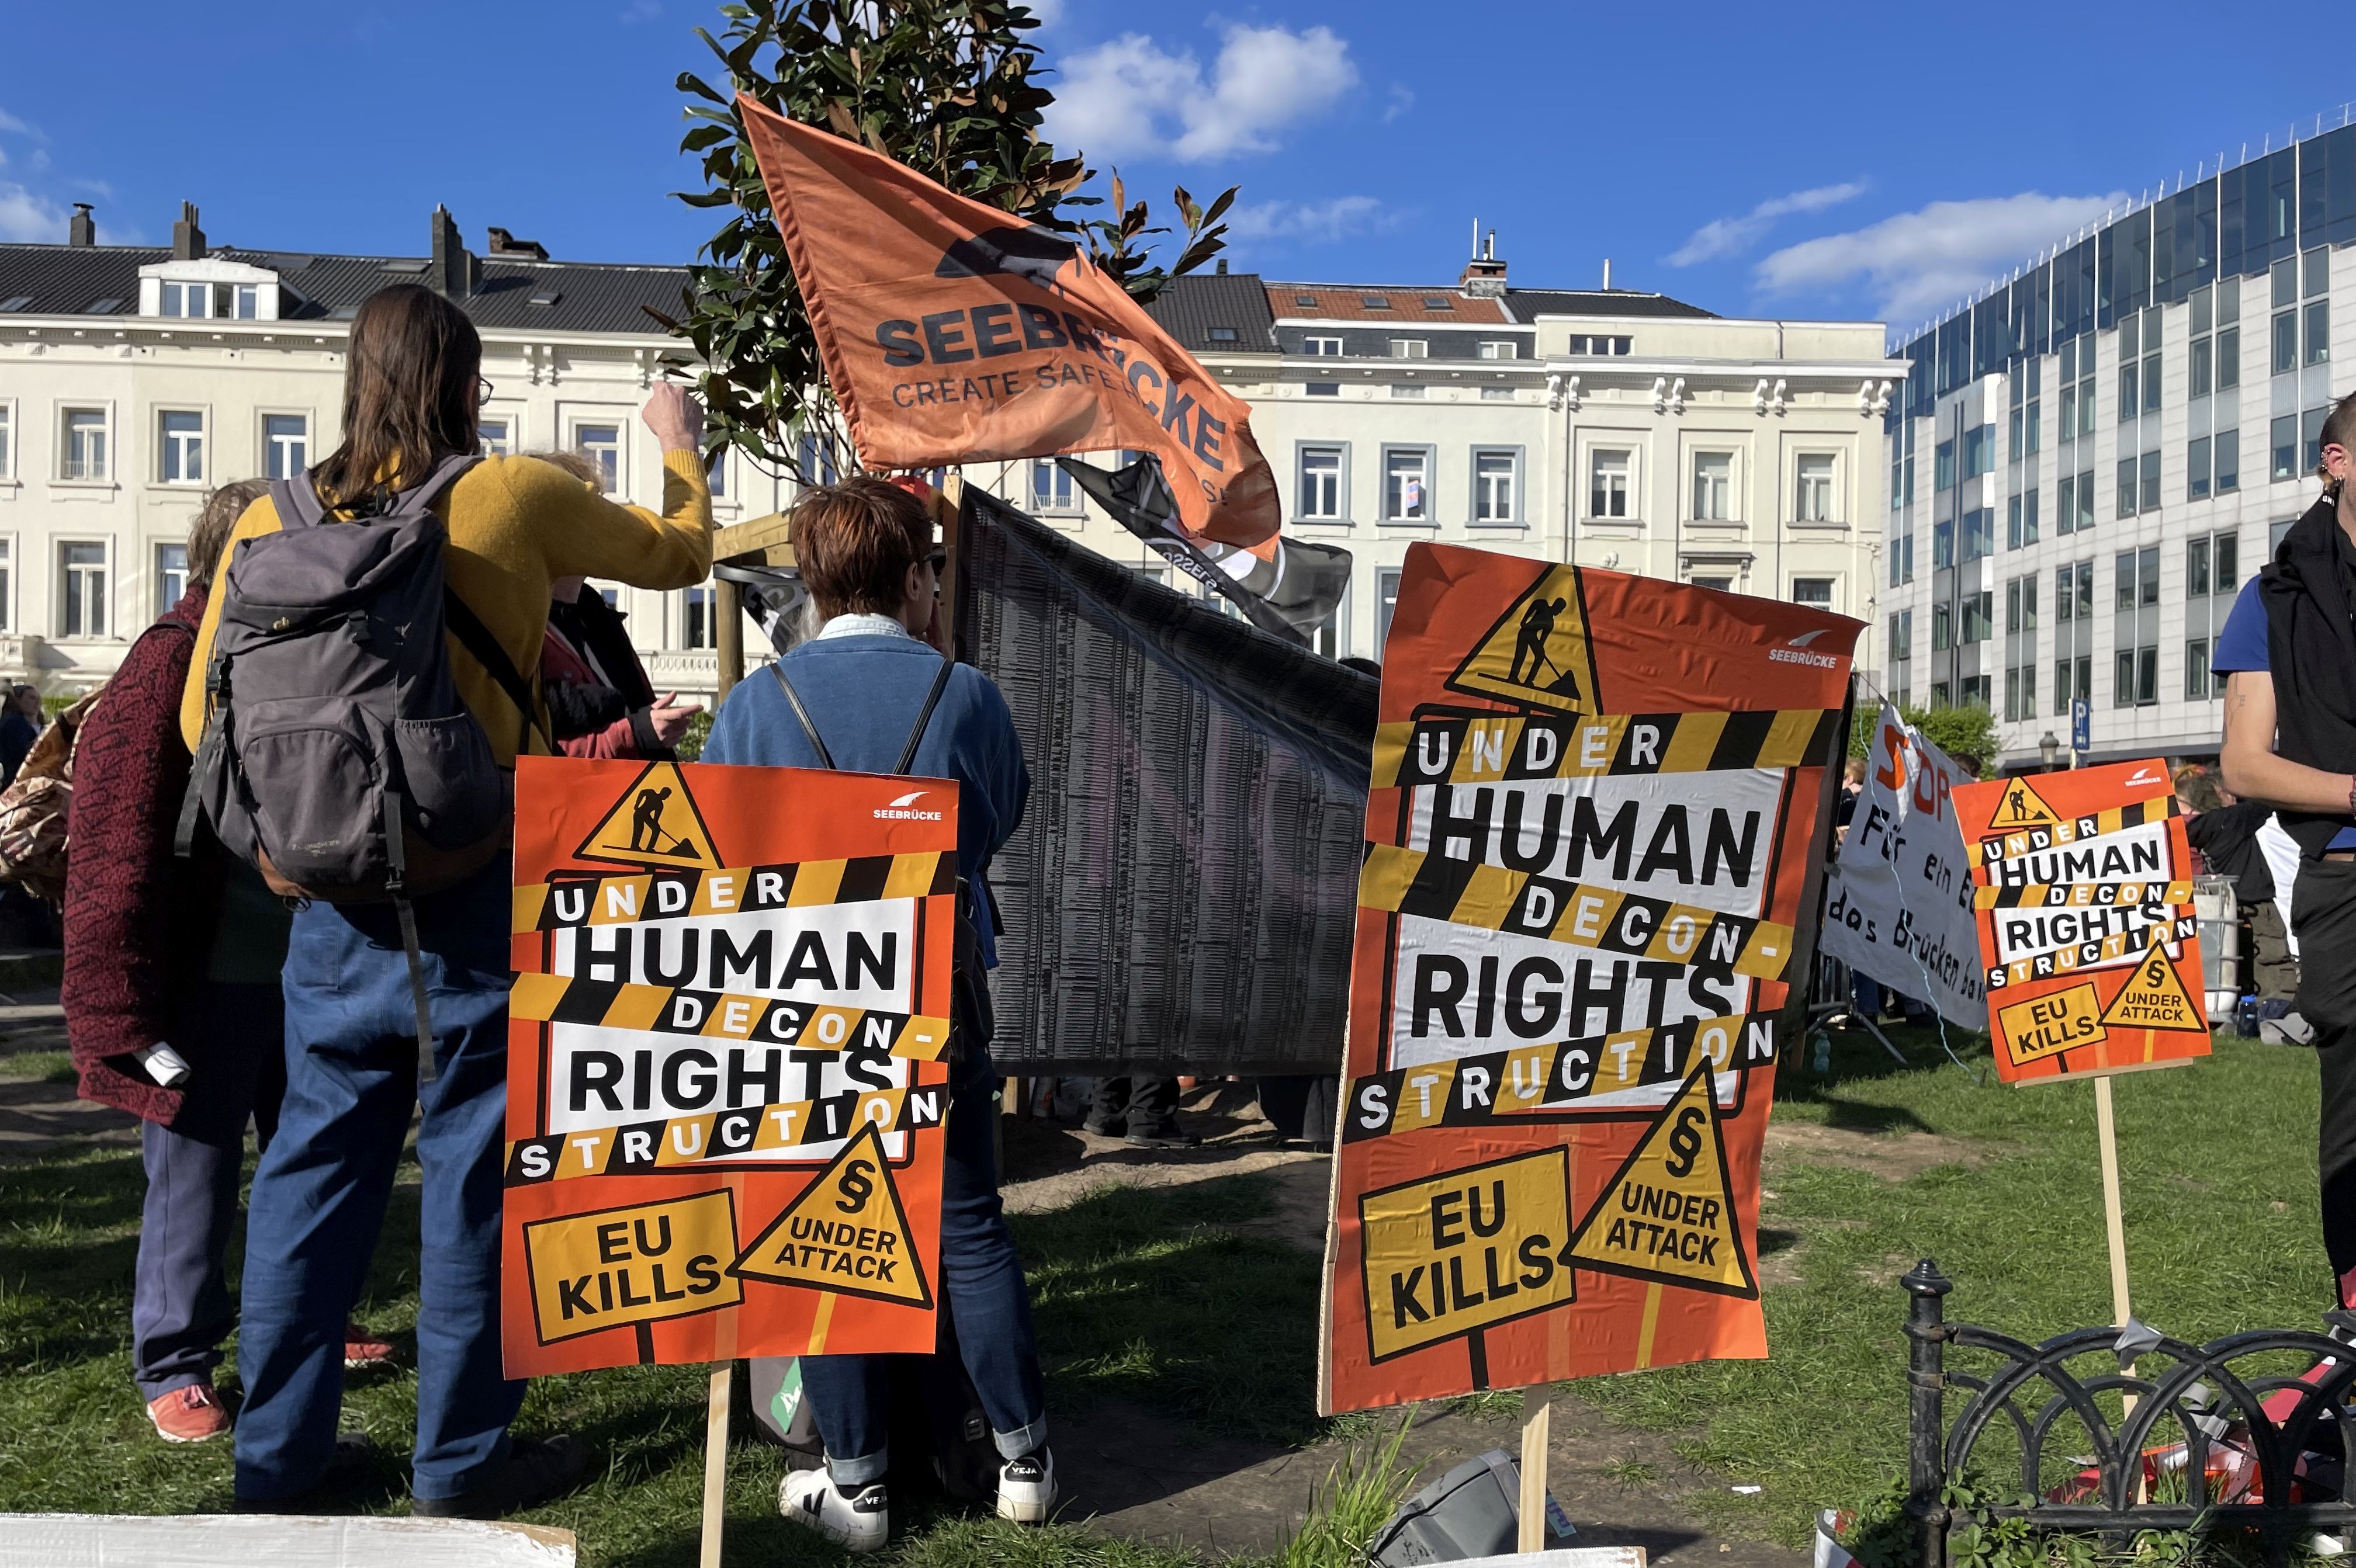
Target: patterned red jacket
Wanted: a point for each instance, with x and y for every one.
(138, 920)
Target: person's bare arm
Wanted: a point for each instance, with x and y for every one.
(2252, 768)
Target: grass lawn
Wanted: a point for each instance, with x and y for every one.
(1145, 1296)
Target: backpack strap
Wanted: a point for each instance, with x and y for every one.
(794, 700)
(298, 506)
(924, 717)
(477, 640)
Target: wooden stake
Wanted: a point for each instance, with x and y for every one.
(1537, 1421)
(2113, 1221)
(715, 1465)
(728, 639)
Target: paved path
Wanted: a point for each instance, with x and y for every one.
(37, 1115)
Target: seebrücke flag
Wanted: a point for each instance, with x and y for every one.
(953, 332)
(1594, 860)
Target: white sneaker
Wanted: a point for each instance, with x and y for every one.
(861, 1521)
(1026, 1487)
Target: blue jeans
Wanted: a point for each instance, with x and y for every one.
(319, 1197)
(981, 1280)
(235, 1037)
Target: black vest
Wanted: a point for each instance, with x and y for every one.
(2311, 653)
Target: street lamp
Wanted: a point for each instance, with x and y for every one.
(2050, 749)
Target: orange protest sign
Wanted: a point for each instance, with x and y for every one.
(1593, 848)
(2088, 941)
(953, 332)
(726, 1074)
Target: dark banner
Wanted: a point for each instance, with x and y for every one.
(1181, 895)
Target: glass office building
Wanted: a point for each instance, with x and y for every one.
(2090, 458)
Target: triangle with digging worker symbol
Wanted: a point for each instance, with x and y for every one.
(2021, 806)
(846, 1232)
(1668, 1215)
(1538, 652)
(2155, 998)
(655, 823)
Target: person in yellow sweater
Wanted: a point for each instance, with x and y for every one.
(413, 392)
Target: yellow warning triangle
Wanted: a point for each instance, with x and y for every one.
(1668, 1215)
(2155, 998)
(655, 823)
(846, 1232)
(1538, 652)
(2021, 806)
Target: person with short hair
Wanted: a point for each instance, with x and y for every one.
(851, 697)
(21, 724)
(2287, 658)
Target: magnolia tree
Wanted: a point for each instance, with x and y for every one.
(948, 87)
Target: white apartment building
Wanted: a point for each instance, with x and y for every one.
(1612, 427)
(2095, 454)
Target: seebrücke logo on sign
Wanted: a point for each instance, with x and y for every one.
(1538, 652)
(654, 824)
(906, 809)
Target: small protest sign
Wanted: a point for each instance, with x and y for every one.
(1593, 850)
(1898, 908)
(726, 1084)
(2089, 946)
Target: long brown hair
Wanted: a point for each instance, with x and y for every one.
(409, 379)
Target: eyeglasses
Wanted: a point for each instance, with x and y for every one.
(938, 560)
(482, 389)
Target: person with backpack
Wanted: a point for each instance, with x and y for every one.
(171, 999)
(867, 694)
(360, 688)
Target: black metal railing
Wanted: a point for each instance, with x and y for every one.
(2199, 1399)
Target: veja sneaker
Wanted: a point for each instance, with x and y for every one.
(1026, 1487)
(190, 1415)
(362, 1349)
(860, 1522)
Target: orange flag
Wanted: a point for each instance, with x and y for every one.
(955, 333)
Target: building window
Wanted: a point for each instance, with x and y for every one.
(1816, 593)
(84, 454)
(1410, 348)
(1979, 533)
(1321, 389)
(1942, 543)
(1387, 581)
(1979, 616)
(2135, 677)
(1980, 450)
(2316, 333)
(1713, 486)
(1942, 465)
(2212, 565)
(2285, 355)
(2020, 692)
(1493, 499)
(2065, 516)
(715, 473)
(1407, 485)
(1496, 394)
(1812, 488)
(2283, 436)
(8, 440)
(497, 437)
(180, 444)
(1601, 345)
(1607, 490)
(2072, 678)
(248, 301)
(1942, 628)
(7, 598)
(2196, 469)
(171, 575)
(2020, 521)
(185, 299)
(1224, 335)
(1500, 348)
(1051, 488)
(698, 631)
(2149, 464)
(2196, 670)
(1321, 348)
(2020, 606)
(81, 589)
(1321, 482)
(602, 444)
(2225, 454)
(286, 445)
(815, 463)
(1407, 388)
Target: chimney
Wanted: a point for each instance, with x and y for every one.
(187, 240)
(1223, 266)
(503, 243)
(1607, 274)
(455, 270)
(1483, 275)
(82, 228)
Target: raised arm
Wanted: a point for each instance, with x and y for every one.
(582, 533)
(2254, 771)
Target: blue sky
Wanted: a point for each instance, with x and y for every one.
(1850, 162)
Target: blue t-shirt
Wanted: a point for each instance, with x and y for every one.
(2242, 645)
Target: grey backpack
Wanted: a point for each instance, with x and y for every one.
(336, 758)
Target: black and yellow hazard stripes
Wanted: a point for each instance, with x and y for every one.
(731, 1136)
(1471, 892)
(2114, 948)
(724, 1015)
(576, 900)
(1461, 748)
(2080, 895)
(1537, 1080)
(1994, 848)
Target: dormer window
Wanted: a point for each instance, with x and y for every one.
(186, 299)
(209, 288)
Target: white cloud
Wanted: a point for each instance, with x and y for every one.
(1919, 261)
(1048, 12)
(638, 11)
(1316, 222)
(1723, 236)
(25, 217)
(10, 122)
(1132, 95)
(1402, 99)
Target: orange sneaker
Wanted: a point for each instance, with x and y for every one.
(190, 1415)
(362, 1349)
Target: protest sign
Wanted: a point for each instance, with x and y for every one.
(726, 1063)
(1592, 860)
(1178, 896)
(953, 332)
(1899, 907)
(2088, 944)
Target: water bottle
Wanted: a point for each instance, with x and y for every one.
(1823, 1059)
